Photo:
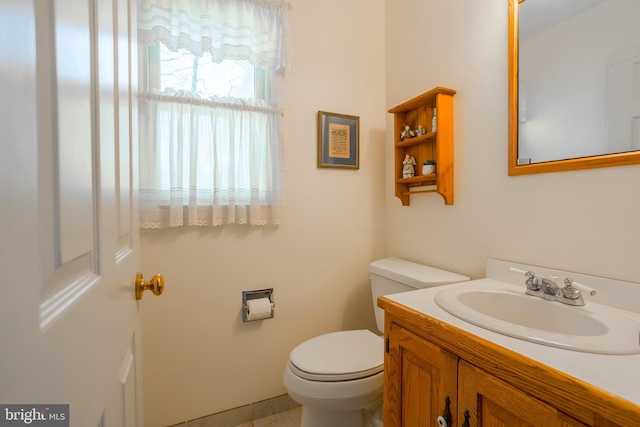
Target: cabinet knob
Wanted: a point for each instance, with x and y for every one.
(445, 419)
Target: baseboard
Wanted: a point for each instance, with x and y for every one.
(244, 414)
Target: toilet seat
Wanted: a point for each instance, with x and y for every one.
(338, 356)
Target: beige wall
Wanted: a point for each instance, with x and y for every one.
(199, 358)
(585, 221)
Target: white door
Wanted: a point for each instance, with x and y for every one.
(623, 100)
(69, 243)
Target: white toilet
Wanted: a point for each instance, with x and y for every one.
(337, 377)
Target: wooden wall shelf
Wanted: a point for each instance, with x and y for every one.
(436, 145)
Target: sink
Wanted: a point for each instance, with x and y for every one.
(505, 308)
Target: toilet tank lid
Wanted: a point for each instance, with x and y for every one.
(413, 274)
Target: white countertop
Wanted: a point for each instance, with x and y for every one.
(616, 374)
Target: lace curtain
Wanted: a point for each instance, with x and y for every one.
(217, 160)
(253, 30)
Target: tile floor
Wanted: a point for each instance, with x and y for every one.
(281, 411)
(290, 418)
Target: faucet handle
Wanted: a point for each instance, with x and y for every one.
(532, 283)
(530, 274)
(571, 284)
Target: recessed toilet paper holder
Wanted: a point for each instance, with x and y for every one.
(256, 294)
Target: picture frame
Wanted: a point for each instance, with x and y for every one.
(338, 140)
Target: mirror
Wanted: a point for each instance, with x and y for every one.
(574, 84)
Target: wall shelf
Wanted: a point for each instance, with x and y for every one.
(436, 145)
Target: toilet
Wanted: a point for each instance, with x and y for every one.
(338, 377)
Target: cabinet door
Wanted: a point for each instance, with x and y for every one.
(419, 377)
(494, 403)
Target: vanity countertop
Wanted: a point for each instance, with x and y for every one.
(618, 375)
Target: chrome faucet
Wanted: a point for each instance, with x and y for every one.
(542, 287)
(548, 288)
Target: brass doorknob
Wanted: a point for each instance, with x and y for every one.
(155, 285)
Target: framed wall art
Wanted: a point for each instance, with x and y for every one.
(338, 141)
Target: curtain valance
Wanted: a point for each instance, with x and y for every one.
(252, 30)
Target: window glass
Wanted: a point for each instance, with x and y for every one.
(233, 78)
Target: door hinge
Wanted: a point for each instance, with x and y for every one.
(386, 345)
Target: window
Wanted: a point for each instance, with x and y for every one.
(210, 145)
(201, 75)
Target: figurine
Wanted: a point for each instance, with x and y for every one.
(407, 170)
(407, 133)
(420, 131)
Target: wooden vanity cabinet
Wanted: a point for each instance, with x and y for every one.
(420, 378)
(427, 361)
(492, 402)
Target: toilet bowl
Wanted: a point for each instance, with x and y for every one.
(338, 377)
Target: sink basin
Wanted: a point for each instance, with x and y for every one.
(505, 308)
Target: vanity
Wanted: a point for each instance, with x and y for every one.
(443, 370)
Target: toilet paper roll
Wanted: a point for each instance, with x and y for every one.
(259, 308)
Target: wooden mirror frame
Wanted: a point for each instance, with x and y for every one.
(605, 160)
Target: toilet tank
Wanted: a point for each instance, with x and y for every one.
(393, 275)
